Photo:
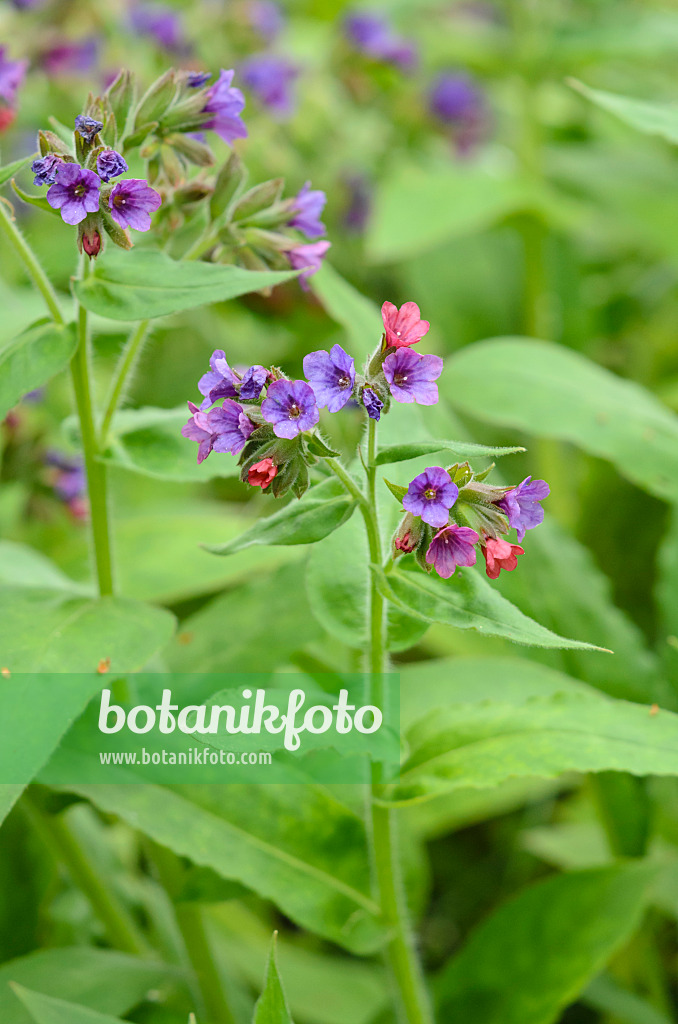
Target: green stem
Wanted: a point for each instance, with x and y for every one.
(121, 928)
(128, 358)
(192, 925)
(32, 264)
(97, 488)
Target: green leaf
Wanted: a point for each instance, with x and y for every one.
(397, 490)
(608, 997)
(271, 1006)
(459, 449)
(301, 522)
(48, 1010)
(39, 201)
(357, 314)
(33, 569)
(294, 845)
(649, 118)
(317, 446)
(467, 601)
(484, 744)
(9, 170)
(551, 391)
(503, 975)
(9, 794)
(47, 630)
(100, 979)
(29, 360)
(144, 284)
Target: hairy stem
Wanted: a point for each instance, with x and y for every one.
(128, 358)
(31, 262)
(97, 484)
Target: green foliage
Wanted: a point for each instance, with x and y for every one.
(649, 118)
(458, 449)
(31, 359)
(9, 170)
(47, 1010)
(272, 1005)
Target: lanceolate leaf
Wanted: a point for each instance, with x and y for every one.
(29, 360)
(48, 1010)
(649, 118)
(271, 1007)
(143, 284)
(467, 602)
(9, 170)
(457, 449)
(551, 391)
(535, 954)
(482, 745)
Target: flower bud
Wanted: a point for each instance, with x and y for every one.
(156, 100)
(120, 97)
(407, 537)
(197, 152)
(261, 197)
(229, 180)
(89, 235)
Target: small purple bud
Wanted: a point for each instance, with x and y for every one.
(196, 79)
(87, 127)
(110, 164)
(46, 169)
(372, 402)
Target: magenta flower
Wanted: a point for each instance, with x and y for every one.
(70, 58)
(253, 382)
(131, 203)
(522, 507)
(219, 382)
(290, 406)
(499, 554)
(452, 546)
(12, 74)
(75, 193)
(226, 103)
(308, 206)
(46, 169)
(308, 259)
(410, 376)
(332, 376)
(403, 326)
(111, 165)
(431, 495)
(224, 429)
(270, 78)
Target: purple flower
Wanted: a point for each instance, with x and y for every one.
(372, 402)
(69, 58)
(224, 429)
(431, 495)
(87, 127)
(374, 36)
(253, 382)
(359, 207)
(12, 74)
(75, 193)
(219, 382)
(332, 376)
(308, 205)
(196, 79)
(452, 546)
(291, 407)
(410, 376)
(266, 17)
(226, 103)
(46, 169)
(131, 203)
(308, 258)
(160, 23)
(455, 100)
(270, 78)
(110, 164)
(522, 507)
(69, 480)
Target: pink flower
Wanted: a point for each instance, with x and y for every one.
(452, 546)
(403, 326)
(499, 554)
(261, 474)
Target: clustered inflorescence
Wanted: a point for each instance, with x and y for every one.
(268, 420)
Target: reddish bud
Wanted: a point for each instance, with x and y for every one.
(91, 243)
(261, 474)
(499, 554)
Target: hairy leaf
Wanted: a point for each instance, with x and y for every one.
(29, 360)
(458, 449)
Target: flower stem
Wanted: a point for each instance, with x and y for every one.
(128, 358)
(32, 264)
(97, 484)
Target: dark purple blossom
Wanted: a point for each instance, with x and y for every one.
(226, 103)
(308, 258)
(224, 429)
(12, 74)
(69, 480)
(87, 127)
(522, 507)
(270, 78)
(410, 376)
(160, 23)
(332, 376)
(219, 382)
(308, 206)
(75, 193)
(452, 546)
(373, 35)
(253, 382)
(266, 17)
(111, 164)
(196, 79)
(46, 168)
(132, 202)
(457, 101)
(372, 402)
(431, 495)
(70, 58)
(290, 406)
